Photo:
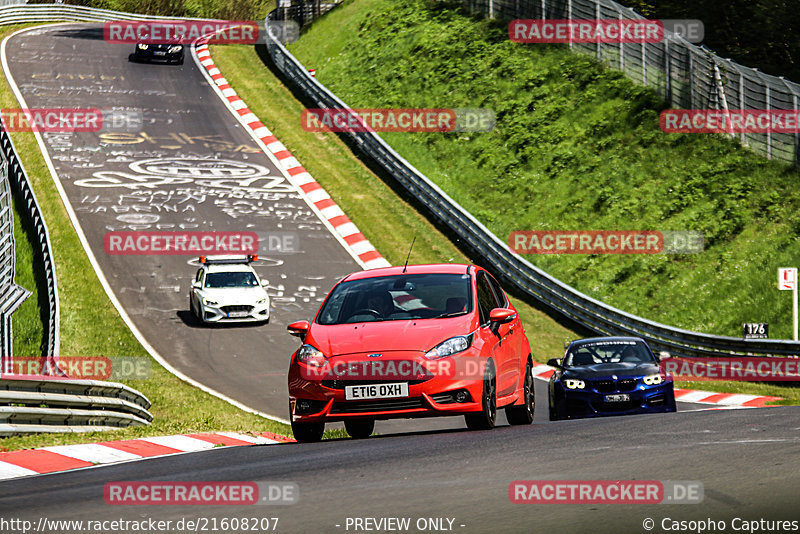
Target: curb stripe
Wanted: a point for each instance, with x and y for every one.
(57, 458)
(42, 461)
(307, 185)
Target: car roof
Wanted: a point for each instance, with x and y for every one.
(433, 268)
(228, 268)
(606, 339)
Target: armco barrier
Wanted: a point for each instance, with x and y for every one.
(23, 191)
(496, 255)
(43, 404)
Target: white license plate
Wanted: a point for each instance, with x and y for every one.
(235, 314)
(376, 391)
(622, 397)
(158, 53)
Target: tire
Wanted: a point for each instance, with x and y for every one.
(523, 415)
(308, 432)
(359, 428)
(485, 419)
(194, 310)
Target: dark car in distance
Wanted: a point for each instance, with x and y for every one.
(170, 52)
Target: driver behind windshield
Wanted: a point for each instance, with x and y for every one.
(381, 302)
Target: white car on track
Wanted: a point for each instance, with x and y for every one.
(227, 289)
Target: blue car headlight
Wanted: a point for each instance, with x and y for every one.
(653, 380)
(574, 383)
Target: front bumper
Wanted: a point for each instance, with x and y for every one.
(235, 313)
(324, 400)
(576, 403)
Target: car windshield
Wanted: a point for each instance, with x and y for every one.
(392, 298)
(607, 352)
(231, 279)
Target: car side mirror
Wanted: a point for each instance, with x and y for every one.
(502, 315)
(264, 283)
(554, 362)
(299, 329)
(196, 284)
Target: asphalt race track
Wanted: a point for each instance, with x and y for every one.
(745, 459)
(158, 175)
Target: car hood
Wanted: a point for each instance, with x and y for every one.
(234, 295)
(601, 370)
(385, 336)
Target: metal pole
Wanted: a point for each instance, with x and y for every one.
(668, 71)
(597, 17)
(794, 308)
(621, 46)
(569, 16)
(769, 132)
(741, 103)
(691, 79)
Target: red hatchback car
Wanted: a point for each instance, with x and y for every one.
(407, 342)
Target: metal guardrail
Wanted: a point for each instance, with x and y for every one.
(11, 295)
(496, 255)
(42, 404)
(24, 192)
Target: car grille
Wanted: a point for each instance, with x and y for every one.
(341, 384)
(236, 308)
(377, 405)
(611, 386)
(605, 386)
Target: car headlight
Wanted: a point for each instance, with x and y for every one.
(652, 380)
(573, 383)
(310, 355)
(142, 46)
(175, 48)
(451, 346)
(207, 302)
(262, 301)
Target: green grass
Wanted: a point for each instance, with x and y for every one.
(577, 146)
(27, 324)
(90, 325)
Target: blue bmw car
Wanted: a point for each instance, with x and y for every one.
(608, 376)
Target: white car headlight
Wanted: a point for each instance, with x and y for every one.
(262, 301)
(454, 345)
(142, 46)
(652, 380)
(175, 48)
(572, 383)
(311, 355)
(207, 302)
